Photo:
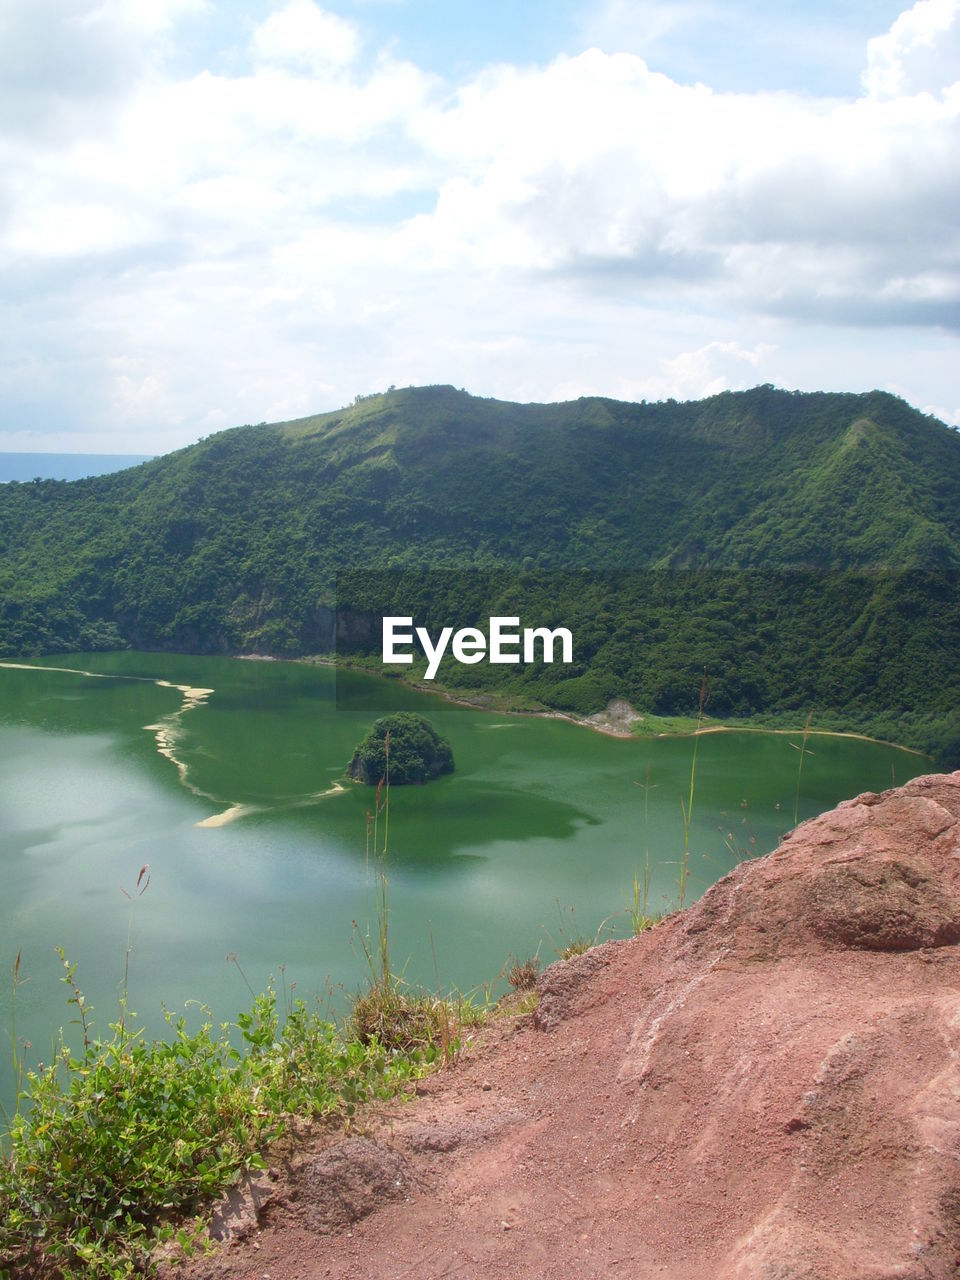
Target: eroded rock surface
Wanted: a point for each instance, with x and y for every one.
(344, 1183)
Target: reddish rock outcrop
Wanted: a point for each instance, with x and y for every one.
(766, 1087)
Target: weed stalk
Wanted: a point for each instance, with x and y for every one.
(16, 1055)
(639, 919)
(803, 752)
(140, 888)
(686, 808)
(78, 999)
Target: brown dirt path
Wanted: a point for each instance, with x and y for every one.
(766, 1087)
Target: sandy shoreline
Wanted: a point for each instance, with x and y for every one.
(608, 729)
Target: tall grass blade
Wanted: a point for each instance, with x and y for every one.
(803, 752)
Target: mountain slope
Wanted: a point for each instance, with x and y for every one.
(238, 543)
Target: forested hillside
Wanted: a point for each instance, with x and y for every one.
(804, 548)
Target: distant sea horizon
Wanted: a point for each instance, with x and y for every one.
(65, 466)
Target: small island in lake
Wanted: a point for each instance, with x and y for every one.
(417, 752)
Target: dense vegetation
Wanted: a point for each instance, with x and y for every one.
(805, 549)
(409, 743)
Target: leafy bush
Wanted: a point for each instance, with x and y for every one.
(119, 1146)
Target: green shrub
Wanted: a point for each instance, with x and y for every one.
(120, 1145)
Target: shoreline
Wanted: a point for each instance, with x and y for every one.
(609, 730)
(476, 702)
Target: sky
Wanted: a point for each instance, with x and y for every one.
(215, 213)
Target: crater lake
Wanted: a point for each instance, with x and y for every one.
(227, 778)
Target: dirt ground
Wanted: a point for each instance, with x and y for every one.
(766, 1087)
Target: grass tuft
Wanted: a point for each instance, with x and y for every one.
(411, 1022)
(576, 947)
(523, 974)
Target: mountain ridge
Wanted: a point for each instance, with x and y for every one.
(801, 546)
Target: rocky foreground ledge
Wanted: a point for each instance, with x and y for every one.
(766, 1087)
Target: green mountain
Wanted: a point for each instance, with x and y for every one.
(805, 549)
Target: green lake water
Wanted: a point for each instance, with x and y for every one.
(236, 799)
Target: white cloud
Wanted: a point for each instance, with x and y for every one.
(642, 25)
(598, 167)
(710, 369)
(950, 416)
(317, 219)
(304, 35)
(920, 52)
(149, 17)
